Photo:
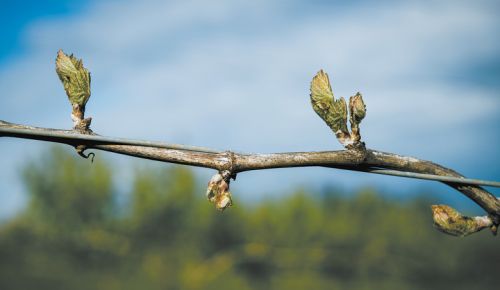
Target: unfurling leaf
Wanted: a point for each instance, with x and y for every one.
(333, 112)
(218, 192)
(75, 78)
(450, 221)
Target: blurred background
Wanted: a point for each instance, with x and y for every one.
(235, 75)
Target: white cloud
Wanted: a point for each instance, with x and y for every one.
(176, 70)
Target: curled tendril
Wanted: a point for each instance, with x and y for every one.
(80, 149)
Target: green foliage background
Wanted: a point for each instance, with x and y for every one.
(73, 235)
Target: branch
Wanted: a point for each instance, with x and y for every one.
(76, 81)
(356, 160)
(174, 153)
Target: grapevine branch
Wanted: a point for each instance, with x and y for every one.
(356, 157)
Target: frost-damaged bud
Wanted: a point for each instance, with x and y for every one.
(76, 81)
(450, 221)
(218, 192)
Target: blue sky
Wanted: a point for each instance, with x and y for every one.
(235, 75)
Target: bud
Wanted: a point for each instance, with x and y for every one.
(213, 186)
(450, 221)
(357, 108)
(223, 201)
(218, 192)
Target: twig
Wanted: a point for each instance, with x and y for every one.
(14, 130)
(384, 163)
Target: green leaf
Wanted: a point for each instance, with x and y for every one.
(333, 112)
(75, 78)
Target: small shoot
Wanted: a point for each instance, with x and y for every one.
(76, 81)
(334, 111)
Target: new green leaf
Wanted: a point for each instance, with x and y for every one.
(333, 112)
(75, 78)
